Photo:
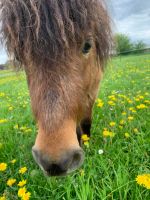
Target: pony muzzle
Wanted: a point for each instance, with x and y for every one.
(68, 162)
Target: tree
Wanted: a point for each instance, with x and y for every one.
(140, 45)
(123, 43)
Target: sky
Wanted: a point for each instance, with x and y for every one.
(131, 17)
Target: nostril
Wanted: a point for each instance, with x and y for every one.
(77, 160)
(55, 170)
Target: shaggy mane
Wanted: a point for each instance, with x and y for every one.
(45, 31)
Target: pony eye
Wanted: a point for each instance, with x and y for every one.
(86, 48)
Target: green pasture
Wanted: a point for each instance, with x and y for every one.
(120, 130)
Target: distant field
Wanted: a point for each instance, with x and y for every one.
(120, 130)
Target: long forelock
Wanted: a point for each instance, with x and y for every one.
(39, 31)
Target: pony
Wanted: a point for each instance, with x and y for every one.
(63, 46)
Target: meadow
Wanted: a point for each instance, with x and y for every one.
(117, 156)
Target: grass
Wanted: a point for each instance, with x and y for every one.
(109, 176)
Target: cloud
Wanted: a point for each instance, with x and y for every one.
(132, 18)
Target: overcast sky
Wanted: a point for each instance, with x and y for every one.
(131, 17)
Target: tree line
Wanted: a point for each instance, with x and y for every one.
(124, 44)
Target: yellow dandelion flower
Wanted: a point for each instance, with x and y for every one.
(141, 97)
(3, 166)
(85, 138)
(141, 106)
(16, 126)
(130, 102)
(122, 122)
(22, 170)
(23, 128)
(11, 182)
(111, 103)
(135, 130)
(2, 121)
(86, 144)
(124, 113)
(100, 104)
(26, 196)
(121, 127)
(28, 130)
(10, 108)
(147, 101)
(131, 108)
(13, 161)
(127, 135)
(130, 118)
(3, 198)
(21, 192)
(2, 94)
(112, 124)
(137, 99)
(108, 134)
(144, 180)
(22, 183)
(112, 97)
(133, 111)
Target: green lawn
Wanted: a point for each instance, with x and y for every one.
(121, 128)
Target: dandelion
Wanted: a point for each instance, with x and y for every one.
(10, 108)
(146, 93)
(100, 103)
(147, 101)
(111, 103)
(112, 97)
(26, 196)
(22, 192)
(22, 170)
(122, 122)
(3, 166)
(11, 182)
(108, 134)
(127, 135)
(130, 118)
(2, 94)
(85, 138)
(13, 161)
(86, 144)
(3, 198)
(22, 183)
(144, 180)
(23, 128)
(141, 106)
(121, 127)
(137, 99)
(2, 121)
(130, 102)
(141, 97)
(135, 130)
(28, 130)
(124, 113)
(16, 126)
(112, 124)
